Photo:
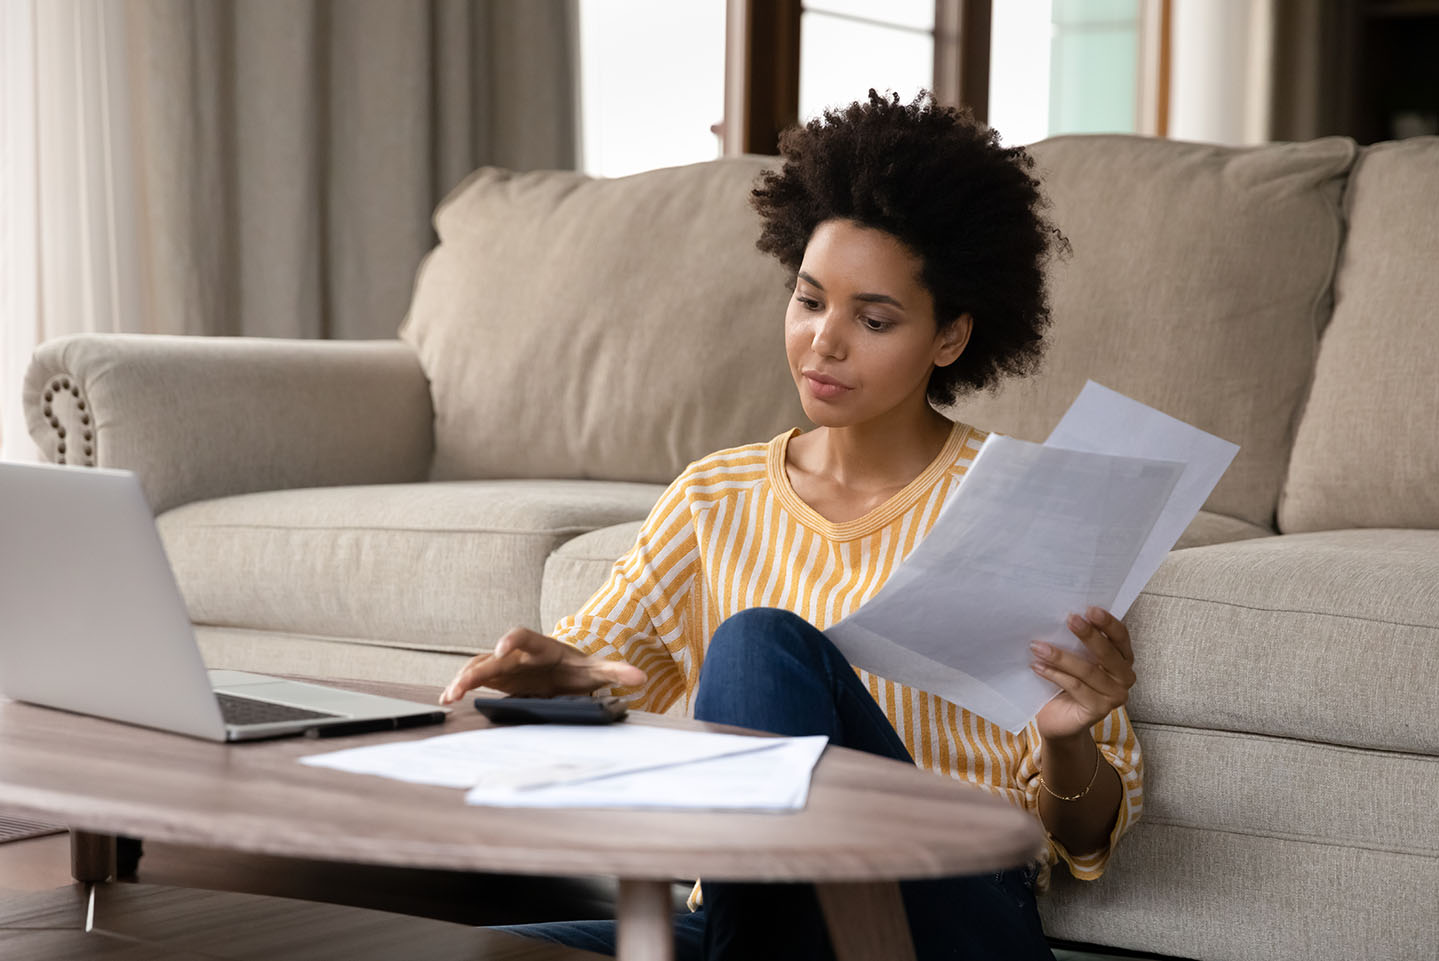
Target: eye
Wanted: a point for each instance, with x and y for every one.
(875, 324)
(808, 303)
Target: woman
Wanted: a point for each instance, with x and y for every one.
(917, 246)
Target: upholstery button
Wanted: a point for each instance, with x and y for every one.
(61, 431)
(65, 385)
(61, 448)
(85, 419)
(88, 435)
(49, 395)
(81, 405)
(89, 451)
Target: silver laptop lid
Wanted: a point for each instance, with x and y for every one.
(90, 617)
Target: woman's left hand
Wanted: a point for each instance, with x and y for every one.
(1091, 686)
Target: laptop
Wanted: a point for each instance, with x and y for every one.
(91, 621)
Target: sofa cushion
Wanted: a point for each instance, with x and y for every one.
(1198, 283)
(1210, 528)
(1329, 636)
(1222, 811)
(616, 329)
(579, 567)
(445, 567)
(1367, 453)
(362, 659)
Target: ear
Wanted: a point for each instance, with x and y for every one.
(952, 339)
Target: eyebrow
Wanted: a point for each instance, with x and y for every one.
(867, 298)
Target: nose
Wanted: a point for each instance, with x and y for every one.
(828, 340)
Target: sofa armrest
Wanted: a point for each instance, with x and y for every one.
(203, 417)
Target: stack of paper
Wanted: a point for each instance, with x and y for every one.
(617, 765)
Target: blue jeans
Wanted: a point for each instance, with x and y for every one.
(770, 670)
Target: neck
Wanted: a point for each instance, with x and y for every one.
(880, 454)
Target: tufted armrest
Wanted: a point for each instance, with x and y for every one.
(203, 417)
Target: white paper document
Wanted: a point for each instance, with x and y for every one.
(1107, 422)
(774, 778)
(533, 764)
(1033, 534)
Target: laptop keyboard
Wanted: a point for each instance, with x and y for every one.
(246, 710)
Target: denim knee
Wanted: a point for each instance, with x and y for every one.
(775, 630)
(753, 650)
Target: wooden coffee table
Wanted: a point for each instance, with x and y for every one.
(869, 822)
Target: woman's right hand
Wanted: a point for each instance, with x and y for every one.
(530, 664)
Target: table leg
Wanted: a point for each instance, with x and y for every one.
(92, 856)
(866, 921)
(645, 928)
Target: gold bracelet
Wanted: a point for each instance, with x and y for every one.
(1098, 756)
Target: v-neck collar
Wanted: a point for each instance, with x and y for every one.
(875, 519)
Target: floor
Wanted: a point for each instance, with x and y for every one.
(43, 864)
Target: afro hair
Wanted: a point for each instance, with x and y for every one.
(943, 185)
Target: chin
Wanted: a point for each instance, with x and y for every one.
(827, 415)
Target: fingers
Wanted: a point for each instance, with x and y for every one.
(1090, 687)
(1106, 651)
(1113, 628)
(1101, 681)
(518, 650)
(525, 662)
(621, 673)
(476, 670)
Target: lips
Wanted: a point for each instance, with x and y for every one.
(823, 386)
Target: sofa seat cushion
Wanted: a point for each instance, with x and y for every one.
(1330, 636)
(1230, 808)
(1210, 528)
(435, 566)
(580, 567)
(1223, 811)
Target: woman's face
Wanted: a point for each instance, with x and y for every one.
(860, 330)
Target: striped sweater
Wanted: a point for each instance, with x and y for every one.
(731, 533)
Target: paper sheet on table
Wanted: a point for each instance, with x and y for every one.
(1034, 533)
(1107, 422)
(775, 778)
(535, 754)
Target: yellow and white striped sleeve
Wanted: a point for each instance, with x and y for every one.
(1119, 746)
(640, 614)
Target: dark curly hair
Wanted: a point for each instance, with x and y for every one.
(942, 184)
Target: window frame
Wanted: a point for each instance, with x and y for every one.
(762, 67)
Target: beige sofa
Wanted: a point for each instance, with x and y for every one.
(385, 509)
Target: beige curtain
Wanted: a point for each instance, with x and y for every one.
(255, 167)
(290, 151)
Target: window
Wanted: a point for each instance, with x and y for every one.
(1076, 66)
(651, 83)
(848, 46)
(1032, 68)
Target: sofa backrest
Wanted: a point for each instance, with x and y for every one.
(614, 329)
(1199, 281)
(1367, 449)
